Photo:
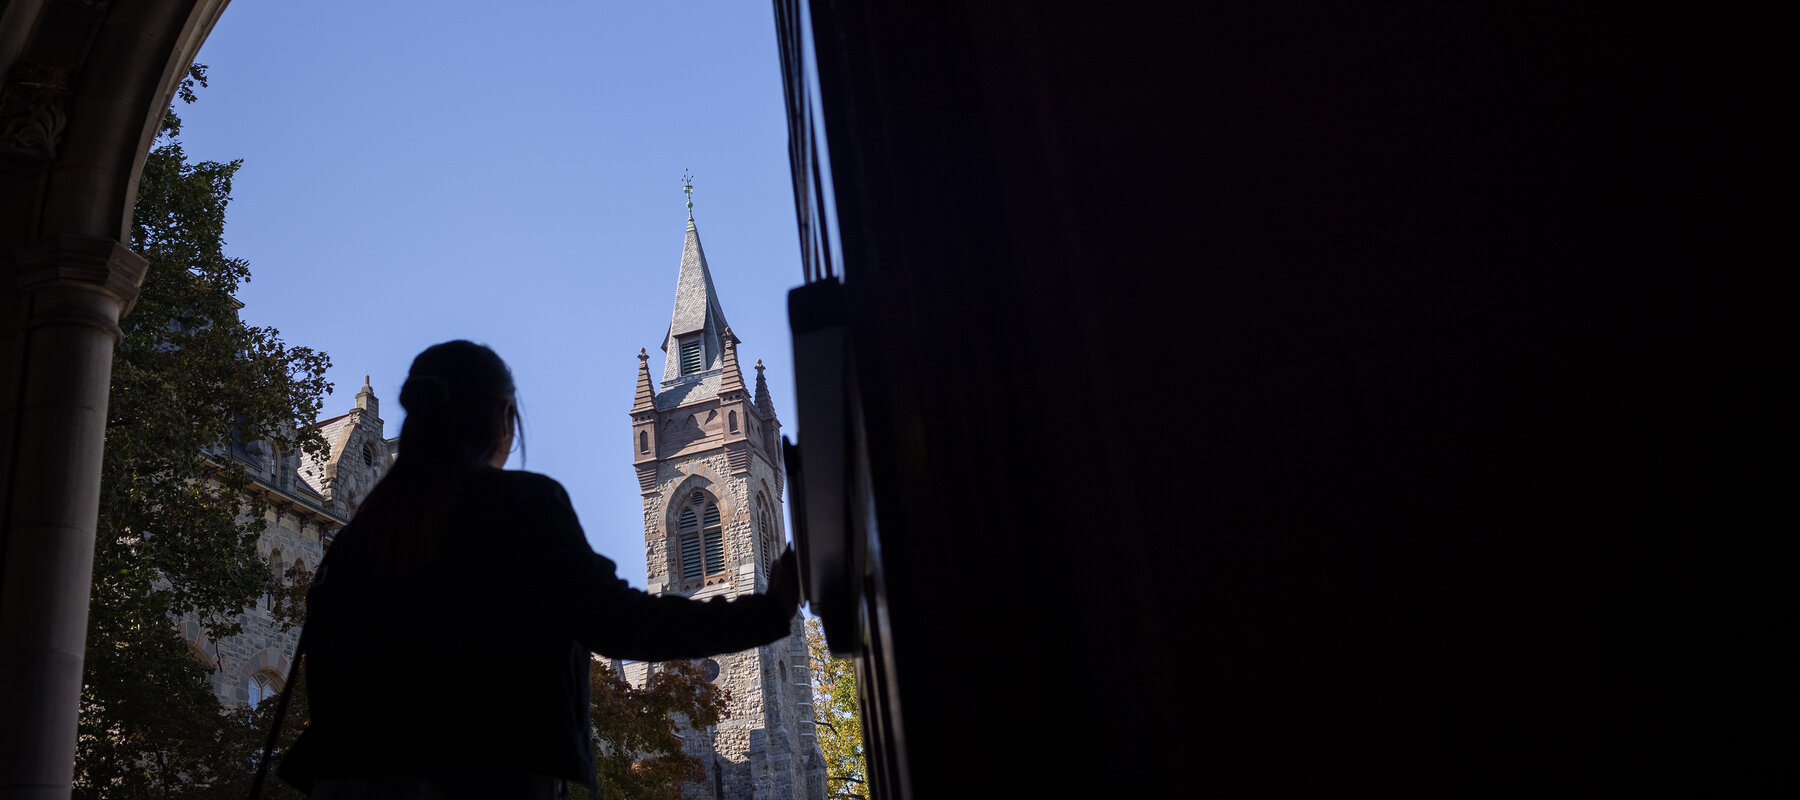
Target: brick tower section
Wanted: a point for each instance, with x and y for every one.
(706, 449)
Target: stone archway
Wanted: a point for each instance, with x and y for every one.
(86, 82)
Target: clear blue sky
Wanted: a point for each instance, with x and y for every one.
(417, 172)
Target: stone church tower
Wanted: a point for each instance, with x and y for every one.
(708, 458)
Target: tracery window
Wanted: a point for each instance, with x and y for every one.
(262, 686)
(701, 540)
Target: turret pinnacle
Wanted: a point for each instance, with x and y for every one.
(365, 399)
(764, 403)
(646, 394)
(733, 379)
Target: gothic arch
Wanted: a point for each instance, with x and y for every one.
(122, 63)
(697, 540)
(700, 475)
(736, 517)
(687, 486)
(270, 661)
(195, 636)
(267, 658)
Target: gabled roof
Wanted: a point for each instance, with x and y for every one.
(324, 422)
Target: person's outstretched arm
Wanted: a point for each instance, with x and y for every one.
(613, 619)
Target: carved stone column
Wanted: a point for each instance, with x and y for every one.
(76, 289)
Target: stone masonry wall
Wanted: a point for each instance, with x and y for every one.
(764, 750)
(263, 646)
(309, 497)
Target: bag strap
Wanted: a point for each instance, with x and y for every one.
(281, 704)
(287, 690)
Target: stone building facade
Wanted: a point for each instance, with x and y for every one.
(309, 500)
(707, 452)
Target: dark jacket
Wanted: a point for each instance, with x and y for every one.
(478, 661)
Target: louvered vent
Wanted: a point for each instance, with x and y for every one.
(690, 357)
(690, 545)
(690, 557)
(715, 552)
(715, 542)
(767, 535)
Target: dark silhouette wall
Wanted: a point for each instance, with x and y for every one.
(1274, 396)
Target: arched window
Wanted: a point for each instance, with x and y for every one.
(262, 686)
(368, 454)
(734, 422)
(702, 540)
(643, 441)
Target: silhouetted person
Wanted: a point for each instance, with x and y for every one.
(449, 627)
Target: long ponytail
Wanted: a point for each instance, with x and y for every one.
(457, 398)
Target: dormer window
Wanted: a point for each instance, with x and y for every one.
(692, 358)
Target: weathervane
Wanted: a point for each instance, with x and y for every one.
(687, 188)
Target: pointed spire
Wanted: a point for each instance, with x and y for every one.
(764, 403)
(646, 395)
(697, 311)
(733, 379)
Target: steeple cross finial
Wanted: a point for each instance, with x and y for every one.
(687, 188)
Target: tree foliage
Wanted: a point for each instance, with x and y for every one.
(178, 527)
(638, 747)
(837, 718)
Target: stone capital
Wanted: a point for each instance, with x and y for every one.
(65, 275)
